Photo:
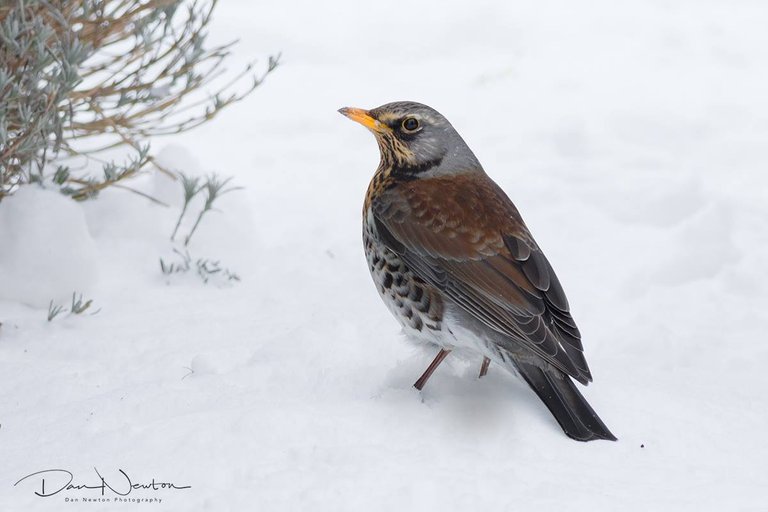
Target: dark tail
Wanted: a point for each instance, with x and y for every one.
(571, 410)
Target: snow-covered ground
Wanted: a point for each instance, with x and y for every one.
(633, 139)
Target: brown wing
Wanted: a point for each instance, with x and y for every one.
(464, 236)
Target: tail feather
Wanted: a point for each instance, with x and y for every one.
(569, 407)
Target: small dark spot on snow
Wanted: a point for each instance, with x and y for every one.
(642, 446)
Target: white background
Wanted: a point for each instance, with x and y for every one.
(632, 137)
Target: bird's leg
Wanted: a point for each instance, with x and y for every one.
(484, 367)
(432, 367)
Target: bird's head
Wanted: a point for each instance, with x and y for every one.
(415, 139)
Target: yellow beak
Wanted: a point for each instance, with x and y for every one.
(364, 118)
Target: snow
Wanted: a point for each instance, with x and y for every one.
(632, 139)
(47, 250)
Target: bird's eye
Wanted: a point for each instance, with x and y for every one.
(410, 124)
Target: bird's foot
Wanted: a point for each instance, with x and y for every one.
(484, 367)
(419, 384)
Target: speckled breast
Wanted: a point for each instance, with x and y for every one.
(414, 303)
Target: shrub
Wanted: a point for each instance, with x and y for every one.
(78, 78)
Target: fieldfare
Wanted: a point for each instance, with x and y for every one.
(454, 262)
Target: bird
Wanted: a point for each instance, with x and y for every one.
(454, 262)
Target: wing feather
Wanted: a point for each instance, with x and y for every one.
(466, 238)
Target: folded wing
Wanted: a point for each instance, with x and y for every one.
(464, 236)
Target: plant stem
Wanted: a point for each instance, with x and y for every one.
(178, 222)
(192, 232)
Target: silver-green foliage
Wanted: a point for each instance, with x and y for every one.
(77, 78)
(78, 307)
(204, 268)
(38, 72)
(213, 187)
